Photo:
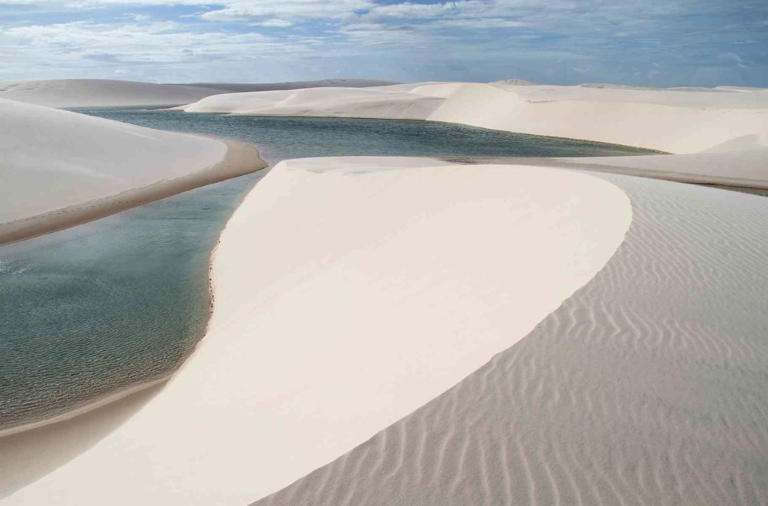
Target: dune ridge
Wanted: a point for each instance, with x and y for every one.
(645, 387)
(80, 93)
(70, 93)
(92, 167)
(334, 102)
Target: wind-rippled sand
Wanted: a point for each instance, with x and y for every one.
(647, 386)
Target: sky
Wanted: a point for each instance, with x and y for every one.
(633, 42)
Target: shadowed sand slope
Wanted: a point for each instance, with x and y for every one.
(647, 386)
(60, 168)
(348, 293)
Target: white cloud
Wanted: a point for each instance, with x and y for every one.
(287, 9)
(131, 43)
(275, 23)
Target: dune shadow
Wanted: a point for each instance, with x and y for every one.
(28, 456)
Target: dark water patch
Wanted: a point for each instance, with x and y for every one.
(282, 137)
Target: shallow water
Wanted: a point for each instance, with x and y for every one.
(121, 300)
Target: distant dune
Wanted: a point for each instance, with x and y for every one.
(292, 85)
(61, 168)
(72, 93)
(395, 102)
(101, 93)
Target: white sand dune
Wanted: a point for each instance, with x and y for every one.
(427, 267)
(60, 168)
(101, 93)
(666, 120)
(647, 386)
(292, 85)
(741, 163)
(72, 93)
(335, 102)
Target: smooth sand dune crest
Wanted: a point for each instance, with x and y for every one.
(347, 296)
(67, 93)
(66, 168)
(665, 120)
(78, 93)
(380, 102)
(647, 386)
(292, 85)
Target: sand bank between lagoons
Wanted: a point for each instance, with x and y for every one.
(349, 292)
(62, 168)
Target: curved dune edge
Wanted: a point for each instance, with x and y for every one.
(239, 159)
(285, 379)
(647, 386)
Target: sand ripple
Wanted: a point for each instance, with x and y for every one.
(648, 386)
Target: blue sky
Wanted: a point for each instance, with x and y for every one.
(639, 42)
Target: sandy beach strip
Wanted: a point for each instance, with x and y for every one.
(647, 386)
(67, 168)
(327, 264)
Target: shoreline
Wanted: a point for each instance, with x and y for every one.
(239, 159)
(89, 405)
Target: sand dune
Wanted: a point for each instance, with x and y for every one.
(73, 93)
(647, 386)
(65, 168)
(101, 93)
(292, 85)
(337, 102)
(671, 121)
(327, 263)
(741, 163)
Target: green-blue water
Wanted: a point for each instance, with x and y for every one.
(124, 299)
